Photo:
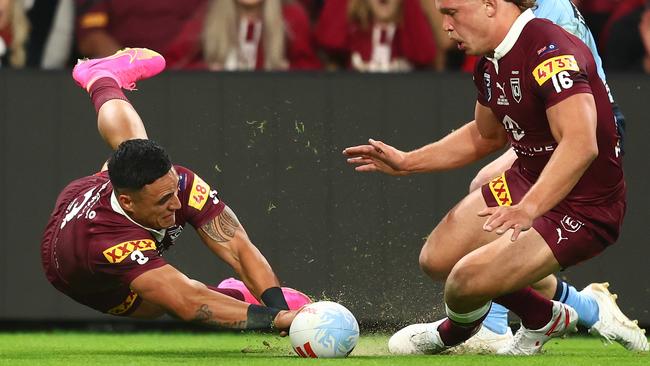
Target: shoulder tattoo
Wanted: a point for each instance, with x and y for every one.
(223, 227)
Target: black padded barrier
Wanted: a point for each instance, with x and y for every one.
(271, 145)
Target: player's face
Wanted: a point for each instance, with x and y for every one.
(384, 10)
(154, 206)
(5, 12)
(467, 23)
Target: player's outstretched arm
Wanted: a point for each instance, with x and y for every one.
(469, 143)
(377, 157)
(191, 300)
(226, 237)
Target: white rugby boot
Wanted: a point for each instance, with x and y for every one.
(612, 324)
(485, 342)
(417, 339)
(528, 342)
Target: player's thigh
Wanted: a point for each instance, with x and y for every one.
(458, 233)
(147, 310)
(504, 266)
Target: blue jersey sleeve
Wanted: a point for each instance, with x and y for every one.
(565, 14)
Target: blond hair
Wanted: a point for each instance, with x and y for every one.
(222, 26)
(20, 33)
(523, 4)
(359, 12)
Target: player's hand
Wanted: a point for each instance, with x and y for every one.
(376, 157)
(503, 218)
(283, 321)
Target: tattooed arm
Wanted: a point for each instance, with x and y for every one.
(226, 237)
(187, 299)
(170, 290)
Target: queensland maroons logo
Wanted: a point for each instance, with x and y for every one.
(570, 224)
(515, 87)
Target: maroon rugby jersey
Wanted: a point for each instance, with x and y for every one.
(536, 66)
(93, 247)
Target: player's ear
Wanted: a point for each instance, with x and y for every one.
(126, 201)
(490, 7)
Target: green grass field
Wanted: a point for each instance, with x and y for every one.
(88, 349)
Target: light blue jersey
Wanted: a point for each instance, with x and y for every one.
(567, 16)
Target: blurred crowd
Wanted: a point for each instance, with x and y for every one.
(361, 35)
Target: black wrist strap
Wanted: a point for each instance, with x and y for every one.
(273, 297)
(260, 317)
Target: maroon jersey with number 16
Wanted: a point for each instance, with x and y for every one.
(537, 66)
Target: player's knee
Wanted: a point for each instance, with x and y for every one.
(466, 281)
(433, 265)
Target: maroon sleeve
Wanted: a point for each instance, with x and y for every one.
(200, 202)
(91, 15)
(127, 255)
(560, 68)
(482, 82)
(300, 41)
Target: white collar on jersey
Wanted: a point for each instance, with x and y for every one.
(511, 37)
(115, 205)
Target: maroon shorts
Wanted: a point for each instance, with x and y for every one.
(574, 232)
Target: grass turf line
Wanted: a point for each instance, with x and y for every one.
(85, 348)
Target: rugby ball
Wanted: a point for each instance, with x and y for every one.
(324, 329)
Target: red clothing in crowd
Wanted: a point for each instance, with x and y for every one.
(300, 46)
(412, 39)
(6, 36)
(626, 7)
(599, 6)
(142, 23)
(185, 50)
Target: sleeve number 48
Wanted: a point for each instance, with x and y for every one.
(561, 81)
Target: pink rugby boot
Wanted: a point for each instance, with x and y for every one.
(295, 299)
(126, 66)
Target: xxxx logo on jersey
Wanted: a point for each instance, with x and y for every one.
(125, 305)
(500, 191)
(119, 252)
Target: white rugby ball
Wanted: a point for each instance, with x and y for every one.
(324, 329)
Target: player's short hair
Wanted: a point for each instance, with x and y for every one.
(523, 4)
(137, 163)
